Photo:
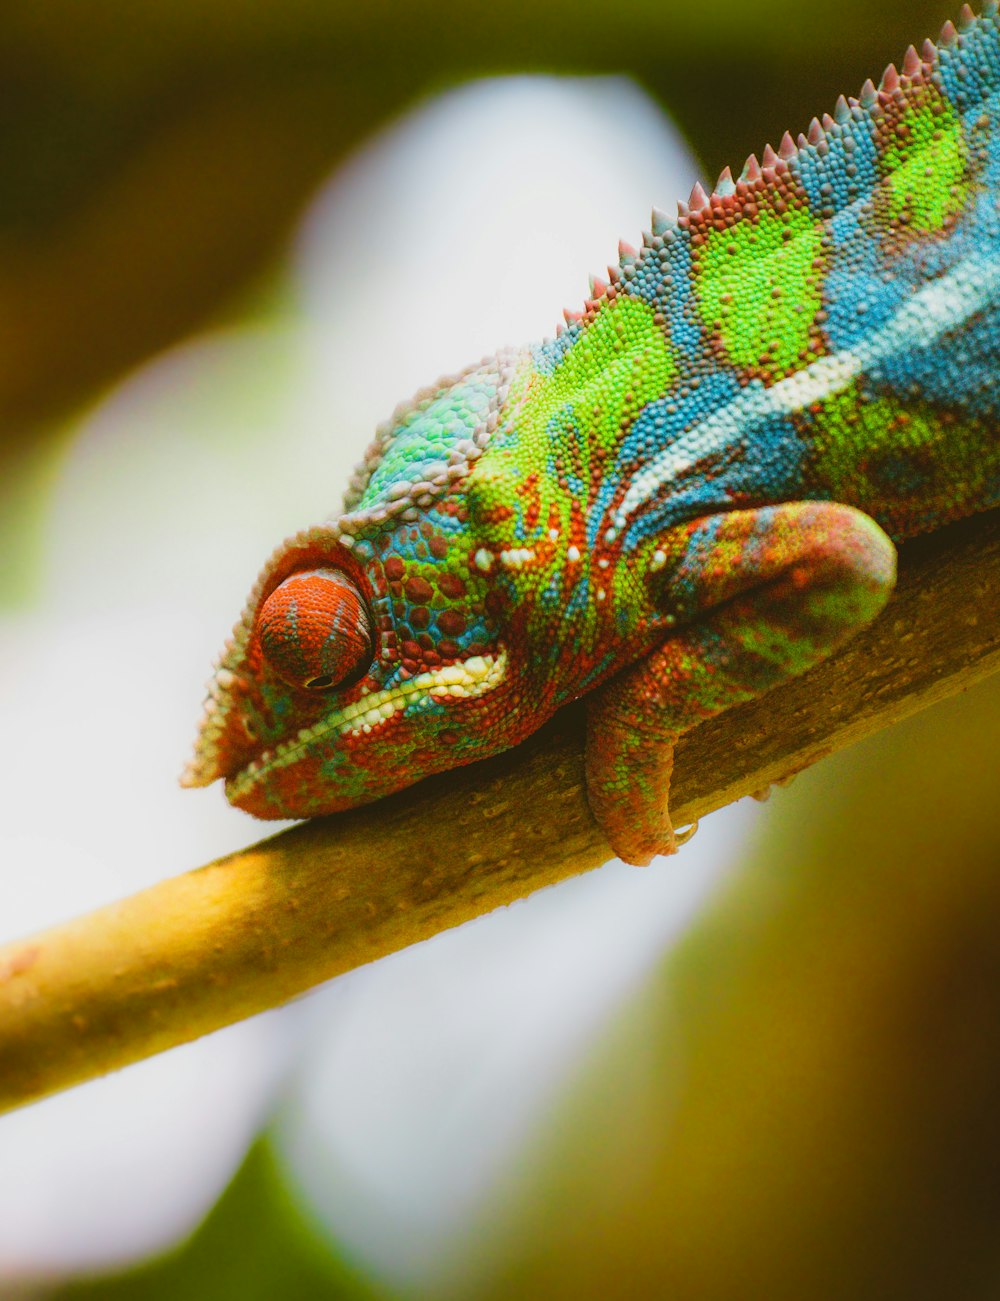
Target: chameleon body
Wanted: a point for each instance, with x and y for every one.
(688, 495)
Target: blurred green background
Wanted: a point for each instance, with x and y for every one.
(804, 1102)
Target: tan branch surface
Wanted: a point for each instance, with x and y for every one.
(252, 930)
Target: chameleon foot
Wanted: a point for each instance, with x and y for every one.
(628, 782)
(763, 794)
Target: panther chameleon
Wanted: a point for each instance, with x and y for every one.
(689, 494)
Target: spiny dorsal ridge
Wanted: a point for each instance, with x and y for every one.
(751, 171)
(912, 64)
(661, 222)
(755, 171)
(890, 80)
(725, 186)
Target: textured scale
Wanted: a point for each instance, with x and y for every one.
(687, 496)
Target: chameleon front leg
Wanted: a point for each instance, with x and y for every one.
(759, 596)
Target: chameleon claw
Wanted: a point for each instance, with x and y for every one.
(763, 793)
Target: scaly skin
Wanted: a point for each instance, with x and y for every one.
(686, 497)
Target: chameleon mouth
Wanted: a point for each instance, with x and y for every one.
(464, 680)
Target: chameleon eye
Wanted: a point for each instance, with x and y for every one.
(315, 630)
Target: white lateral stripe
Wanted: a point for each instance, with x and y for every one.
(933, 311)
(465, 679)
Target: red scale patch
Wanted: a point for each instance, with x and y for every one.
(451, 586)
(419, 590)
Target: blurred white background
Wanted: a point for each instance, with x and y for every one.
(406, 1086)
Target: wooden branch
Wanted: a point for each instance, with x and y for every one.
(255, 929)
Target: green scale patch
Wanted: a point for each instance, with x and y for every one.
(909, 469)
(924, 161)
(760, 290)
(619, 364)
(538, 478)
(565, 425)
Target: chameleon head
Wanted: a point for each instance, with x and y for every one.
(350, 674)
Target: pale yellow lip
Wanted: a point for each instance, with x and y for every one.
(464, 680)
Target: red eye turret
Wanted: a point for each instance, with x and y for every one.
(315, 630)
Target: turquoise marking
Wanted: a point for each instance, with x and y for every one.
(845, 175)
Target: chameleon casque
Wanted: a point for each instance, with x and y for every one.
(688, 495)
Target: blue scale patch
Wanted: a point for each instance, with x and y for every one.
(972, 69)
(862, 289)
(444, 521)
(422, 442)
(956, 371)
(665, 281)
(548, 356)
(760, 461)
(847, 174)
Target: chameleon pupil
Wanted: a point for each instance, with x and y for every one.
(315, 629)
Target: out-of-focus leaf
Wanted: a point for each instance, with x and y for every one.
(254, 1246)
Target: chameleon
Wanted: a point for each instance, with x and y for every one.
(688, 494)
